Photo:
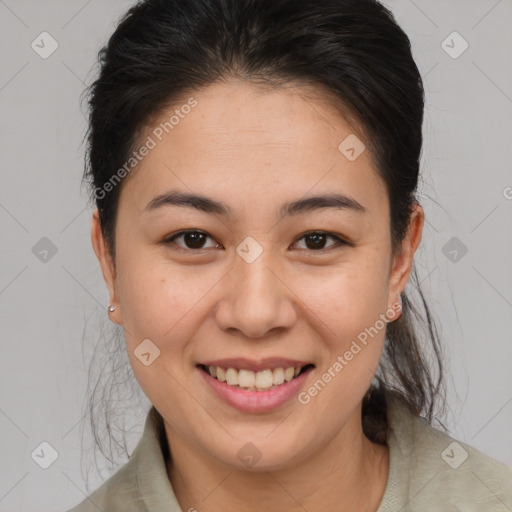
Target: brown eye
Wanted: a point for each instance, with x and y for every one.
(193, 240)
(315, 241)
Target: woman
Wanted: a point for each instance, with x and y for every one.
(254, 167)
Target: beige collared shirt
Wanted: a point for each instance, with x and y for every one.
(428, 471)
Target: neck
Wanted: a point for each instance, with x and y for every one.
(353, 479)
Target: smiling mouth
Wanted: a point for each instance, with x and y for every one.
(249, 380)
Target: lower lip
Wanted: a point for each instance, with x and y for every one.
(256, 401)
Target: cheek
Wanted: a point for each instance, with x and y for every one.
(153, 299)
(349, 298)
(352, 306)
(162, 302)
(157, 307)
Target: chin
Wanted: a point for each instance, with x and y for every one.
(259, 456)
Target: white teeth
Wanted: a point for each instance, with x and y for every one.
(221, 374)
(232, 377)
(289, 373)
(247, 379)
(264, 379)
(278, 376)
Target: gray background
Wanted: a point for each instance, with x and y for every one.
(51, 310)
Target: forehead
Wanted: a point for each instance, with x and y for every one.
(244, 143)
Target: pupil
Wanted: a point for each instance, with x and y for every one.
(318, 239)
(195, 238)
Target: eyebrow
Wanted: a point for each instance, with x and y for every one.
(209, 205)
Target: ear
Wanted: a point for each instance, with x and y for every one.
(106, 261)
(402, 263)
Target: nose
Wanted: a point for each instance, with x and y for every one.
(256, 299)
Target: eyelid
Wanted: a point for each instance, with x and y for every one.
(170, 239)
(341, 241)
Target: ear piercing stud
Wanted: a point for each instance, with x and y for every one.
(111, 308)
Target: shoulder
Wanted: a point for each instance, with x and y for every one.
(436, 469)
(119, 492)
(141, 484)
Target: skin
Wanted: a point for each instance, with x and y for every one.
(255, 149)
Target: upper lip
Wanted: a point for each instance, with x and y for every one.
(269, 363)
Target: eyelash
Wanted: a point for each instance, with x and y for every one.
(339, 241)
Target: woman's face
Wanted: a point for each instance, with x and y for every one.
(253, 284)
